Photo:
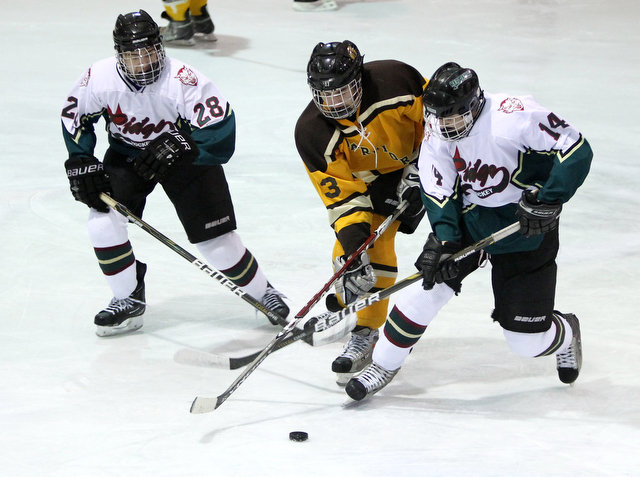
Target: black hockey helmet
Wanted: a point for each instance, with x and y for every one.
(135, 30)
(139, 47)
(452, 91)
(333, 65)
(334, 74)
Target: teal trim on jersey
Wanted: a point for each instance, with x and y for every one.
(84, 141)
(569, 172)
(216, 142)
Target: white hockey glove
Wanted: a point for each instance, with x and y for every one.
(356, 281)
(409, 190)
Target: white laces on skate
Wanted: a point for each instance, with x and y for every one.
(118, 305)
(272, 298)
(358, 346)
(567, 359)
(376, 377)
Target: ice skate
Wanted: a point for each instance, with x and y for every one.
(180, 33)
(369, 382)
(314, 5)
(203, 26)
(124, 315)
(570, 361)
(274, 300)
(356, 354)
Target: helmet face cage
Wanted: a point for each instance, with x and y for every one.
(334, 74)
(452, 101)
(455, 126)
(139, 47)
(341, 102)
(143, 65)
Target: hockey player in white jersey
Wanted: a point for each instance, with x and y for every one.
(167, 124)
(488, 160)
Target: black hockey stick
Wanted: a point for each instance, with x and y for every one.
(206, 404)
(313, 325)
(219, 276)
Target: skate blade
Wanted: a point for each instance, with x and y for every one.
(127, 326)
(323, 7)
(206, 37)
(343, 378)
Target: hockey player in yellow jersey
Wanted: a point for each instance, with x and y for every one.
(359, 139)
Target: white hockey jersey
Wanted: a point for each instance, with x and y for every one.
(514, 144)
(181, 98)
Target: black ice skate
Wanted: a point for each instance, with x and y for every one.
(356, 354)
(273, 299)
(203, 25)
(124, 315)
(178, 32)
(570, 361)
(369, 382)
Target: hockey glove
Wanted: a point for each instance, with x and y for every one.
(409, 190)
(434, 264)
(170, 147)
(357, 280)
(536, 217)
(87, 180)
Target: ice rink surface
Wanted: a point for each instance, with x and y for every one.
(72, 404)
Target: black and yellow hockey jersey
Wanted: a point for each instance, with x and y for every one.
(344, 157)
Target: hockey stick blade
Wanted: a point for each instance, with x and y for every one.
(197, 357)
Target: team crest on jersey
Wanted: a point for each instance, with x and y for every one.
(87, 77)
(187, 77)
(510, 105)
(483, 179)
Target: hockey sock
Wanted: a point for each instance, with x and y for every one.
(415, 308)
(110, 240)
(532, 345)
(227, 254)
(196, 7)
(177, 9)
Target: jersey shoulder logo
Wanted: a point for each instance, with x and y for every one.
(87, 77)
(187, 77)
(511, 105)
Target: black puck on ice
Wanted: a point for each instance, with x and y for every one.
(298, 436)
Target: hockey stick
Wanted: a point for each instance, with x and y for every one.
(204, 358)
(365, 245)
(219, 276)
(205, 404)
(318, 324)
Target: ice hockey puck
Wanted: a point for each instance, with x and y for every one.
(298, 436)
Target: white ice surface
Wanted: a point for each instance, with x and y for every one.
(72, 404)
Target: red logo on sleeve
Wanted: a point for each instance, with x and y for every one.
(510, 105)
(187, 77)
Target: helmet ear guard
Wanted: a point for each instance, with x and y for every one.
(452, 101)
(334, 74)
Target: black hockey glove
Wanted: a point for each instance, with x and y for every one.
(535, 217)
(433, 262)
(170, 147)
(87, 180)
(357, 280)
(409, 190)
